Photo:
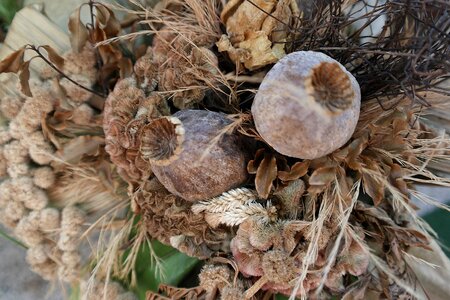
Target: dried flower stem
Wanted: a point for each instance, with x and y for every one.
(39, 53)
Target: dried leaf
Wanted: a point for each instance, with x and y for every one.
(299, 169)
(13, 62)
(265, 175)
(79, 32)
(54, 57)
(374, 189)
(106, 17)
(322, 176)
(252, 165)
(126, 67)
(24, 78)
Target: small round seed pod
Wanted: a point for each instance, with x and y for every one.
(192, 155)
(307, 105)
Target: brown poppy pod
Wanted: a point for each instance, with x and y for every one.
(191, 155)
(307, 105)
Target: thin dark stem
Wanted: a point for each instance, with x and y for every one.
(36, 49)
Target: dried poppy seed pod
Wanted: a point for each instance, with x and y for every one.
(190, 155)
(307, 105)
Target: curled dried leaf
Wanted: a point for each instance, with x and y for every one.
(54, 57)
(322, 176)
(299, 169)
(79, 32)
(265, 175)
(13, 62)
(24, 78)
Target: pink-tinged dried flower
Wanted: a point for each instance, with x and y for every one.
(279, 267)
(15, 153)
(215, 277)
(49, 220)
(83, 114)
(11, 106)
(231, 293)
(44, 177)
(307, 105)
(211, 162)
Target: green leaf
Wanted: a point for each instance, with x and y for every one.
(175, 266)
(8, 9)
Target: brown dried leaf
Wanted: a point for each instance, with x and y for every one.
(265, 175)
(24, 78)
(299, 169)
(252, 165)
(79, 32)
(108, 20)
(322, 176)
(374, 189)
(13, 62)
(125, 67)
(54, 57)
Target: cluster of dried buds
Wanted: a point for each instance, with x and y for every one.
(32, 145)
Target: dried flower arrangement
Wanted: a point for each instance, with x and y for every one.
(277, 141)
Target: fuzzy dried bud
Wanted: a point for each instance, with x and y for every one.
(83, 114)
(27, 230)
(49, 219)
(11, 106)
(68, 242)
(15, 153)
(44, 177)
(214, 276)
(5, 136)
(74, 92)
(307, 105)
(15, 210)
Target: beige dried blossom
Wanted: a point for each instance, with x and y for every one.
(5, 136)
(68, 274)
(15, 210)
(50, 219)
(42, 155)
(36, 200)
(44, 177)
(81, 63)
(83, 114)
(74, 92)
(72, 216)
(47, 270)
(6, 190)
(18, 170)
(10, 106)
(15, 153)
(256, 32)
(71, 258)
(27, 230)
(68, 242)
(3, 164)
(37, 254)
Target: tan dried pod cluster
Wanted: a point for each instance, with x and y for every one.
(169, 219)
(203, 163)
(307, 105)
(256, 32)
(127, 110)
